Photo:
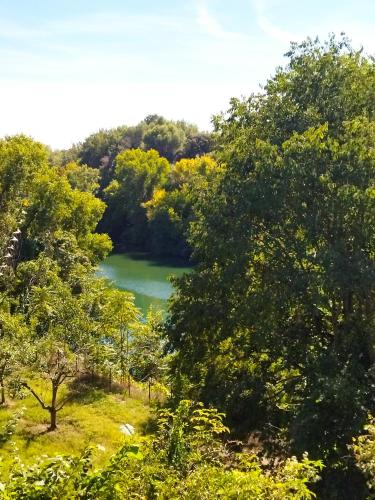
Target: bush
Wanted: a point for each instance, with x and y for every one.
(364, 451)
(185, 460)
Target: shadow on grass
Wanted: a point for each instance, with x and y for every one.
(149, 426)
(89, 388)
(31, 435)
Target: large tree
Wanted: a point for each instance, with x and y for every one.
(171, 209)
(137, 174)
(275, 326)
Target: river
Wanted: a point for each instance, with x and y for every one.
(145, 277)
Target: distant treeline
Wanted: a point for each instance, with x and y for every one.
(147, 175)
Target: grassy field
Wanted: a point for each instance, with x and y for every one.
(92, 418)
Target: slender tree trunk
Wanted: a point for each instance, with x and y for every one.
(347, 304)
(369, 314)
(53, 414)
(2, 392)
(149, 391)
(52, 408)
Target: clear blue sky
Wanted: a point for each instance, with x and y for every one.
(70, 67)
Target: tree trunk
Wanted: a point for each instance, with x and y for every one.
(369, 312)
(53, 414)
(2, 393)
(347, 305)
(52, 408)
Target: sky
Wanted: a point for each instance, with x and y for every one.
(71, 67)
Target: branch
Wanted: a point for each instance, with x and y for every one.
(61, 405)
(36, 396)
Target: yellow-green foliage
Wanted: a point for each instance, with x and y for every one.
(199, 467)
(187, 169)
(364, 450)
(93, 418)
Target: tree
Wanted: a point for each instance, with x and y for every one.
(166, 138)
(54, 207)
(137, 174)
(168, 214)
(171, 210)
(54, 361)
(81, 177)
(275, 325)
(38, 203)
(101, 144)
(100, 149)
(148, 360)
(189, 171)
(119, 317)
(364, 451)
(61, 329)
(12, 334)
(172, 139)
(197, 145)
(186, 459)
(20, 160)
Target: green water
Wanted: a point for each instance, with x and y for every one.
(147, 279)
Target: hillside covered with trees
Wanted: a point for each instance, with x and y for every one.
(146, 174)
(259, 382)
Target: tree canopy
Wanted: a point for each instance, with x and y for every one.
(275, 325)
(272, 331)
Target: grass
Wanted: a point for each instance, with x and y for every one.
(92, 418)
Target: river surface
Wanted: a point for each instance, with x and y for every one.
(148, 279)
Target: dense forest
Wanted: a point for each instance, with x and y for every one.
(147, 176)
(259, 382)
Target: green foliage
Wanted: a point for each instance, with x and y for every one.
(148, 362)
(20, 160)
(364, 451)
(168, 214)
(125, 218)
(93, 417)
(189, 435)
(43, 203)
(275, 325)
(171, 210)
(81, 177)
(56, 207)
(12, 338)
(197, 145)
(96, 150)
(137, 174)
(166, 138)
(119, 317)
(172, 139)
(8, 429)
(148, 470)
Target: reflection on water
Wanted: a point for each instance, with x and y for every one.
(147, 279)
